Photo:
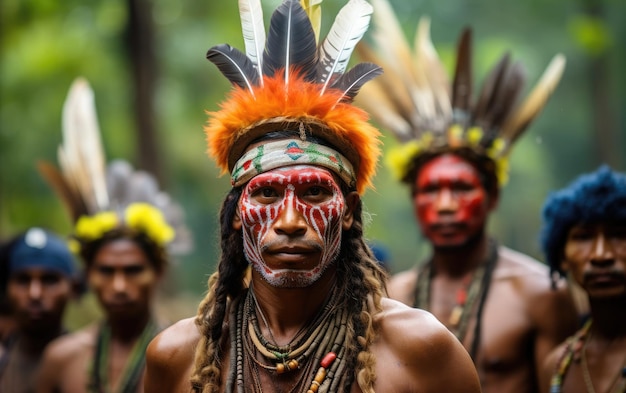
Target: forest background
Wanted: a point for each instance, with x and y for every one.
(145, 60)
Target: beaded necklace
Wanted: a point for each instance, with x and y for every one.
(575, 351)
(317, 351)
(470, 298)
(133, 370)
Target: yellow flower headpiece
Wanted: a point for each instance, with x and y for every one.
(139, 217)
(428, 115)
(100, 197)
(401, 159)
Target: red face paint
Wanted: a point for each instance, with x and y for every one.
(450, 201)
(291, 220)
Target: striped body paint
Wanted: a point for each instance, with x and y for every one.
(291, 220)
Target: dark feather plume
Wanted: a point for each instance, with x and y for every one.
(235, 66)
(506, 96)
(290, 42)
(488, 92)
(350, 82)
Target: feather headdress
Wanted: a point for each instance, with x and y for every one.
(100, 198)
(285, 81)
(427, 114)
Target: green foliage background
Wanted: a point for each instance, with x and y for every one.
(45, 44)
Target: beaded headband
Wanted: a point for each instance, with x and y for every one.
(428, 115)
(272, 155)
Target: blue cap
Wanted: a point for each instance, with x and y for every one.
(42, 249)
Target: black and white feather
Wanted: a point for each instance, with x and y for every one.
(291, 46)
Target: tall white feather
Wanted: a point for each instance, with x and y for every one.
(348, 28)
(536, 100)
(427, 60)
(253, 28)
(81, 155)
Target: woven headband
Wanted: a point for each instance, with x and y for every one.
(286, 152)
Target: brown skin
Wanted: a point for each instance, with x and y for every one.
(523, 318)
(124, 281)
(413, 351)
(38, 297)
(591, 251)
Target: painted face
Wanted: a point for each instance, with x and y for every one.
(292, 223)
(123, 279)
(38, 297)
(450, 201)
(596, 257)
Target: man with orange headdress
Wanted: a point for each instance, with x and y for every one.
(453, 156)
(312, 317)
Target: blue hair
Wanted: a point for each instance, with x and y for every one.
(591, 198)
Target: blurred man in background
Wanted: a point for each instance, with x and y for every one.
(584, 234)
(41, 279)
(453, 155)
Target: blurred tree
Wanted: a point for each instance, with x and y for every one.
(140, 51)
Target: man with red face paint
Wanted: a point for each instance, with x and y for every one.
(584, 234)
(453, 156)
(41, 278)
(297, 303)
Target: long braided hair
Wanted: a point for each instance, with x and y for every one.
(359, 276)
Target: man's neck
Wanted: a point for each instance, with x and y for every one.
(458, 261)
(609, 318)
(129, 329)
(287, 310)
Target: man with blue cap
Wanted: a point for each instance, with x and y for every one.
(40, 279)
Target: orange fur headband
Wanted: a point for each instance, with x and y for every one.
(244, 117)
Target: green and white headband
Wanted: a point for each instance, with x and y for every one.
(287, 152)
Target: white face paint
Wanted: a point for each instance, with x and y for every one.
(292, 223)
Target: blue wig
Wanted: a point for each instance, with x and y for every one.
(592, 198)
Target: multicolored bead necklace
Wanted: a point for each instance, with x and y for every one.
(320, 342)
(575, 351)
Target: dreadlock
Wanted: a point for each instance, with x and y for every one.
(359, 276)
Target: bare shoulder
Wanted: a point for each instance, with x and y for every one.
(530, 276)
(513, 263)
(416, 352)
(406, 327)
(68, 346)
(175, 343)
(64, 359)
(170, 356)
(402, 285)
(552, 310)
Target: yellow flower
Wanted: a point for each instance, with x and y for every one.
(399, 159)
(474, 135)
(146, 218)
(497, 146)
(502, 170)
(94, 227)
